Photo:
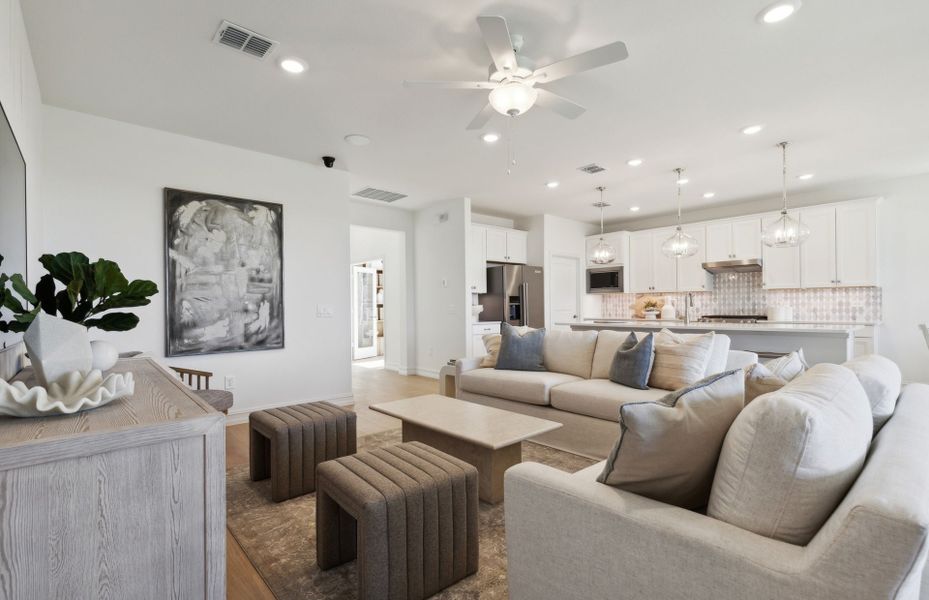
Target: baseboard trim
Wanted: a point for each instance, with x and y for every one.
(237, 416)
(431, 374)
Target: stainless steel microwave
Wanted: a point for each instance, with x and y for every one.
(605, 280)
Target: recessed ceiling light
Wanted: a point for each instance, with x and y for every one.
(356, 139)
(490, 138)
(293, 65)
(683, 181)
(634, 162)
(709, 195)
(634, 208)
(777, 12)
(551, 185)
(805, 177)
(752, 129)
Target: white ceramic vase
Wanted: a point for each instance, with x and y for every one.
(57, 348)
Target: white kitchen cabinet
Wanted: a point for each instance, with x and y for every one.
(856, 244)
(691, 276)
(649, 269)
(506, 245)
(477, 260)
(817, 254)
(781, 265)
(478, 331)
(731, 240)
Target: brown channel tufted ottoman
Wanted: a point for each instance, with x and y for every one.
(410, 514)
(287, 443)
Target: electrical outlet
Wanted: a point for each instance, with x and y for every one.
(229, 382)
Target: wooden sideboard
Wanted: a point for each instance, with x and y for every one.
(124, 501)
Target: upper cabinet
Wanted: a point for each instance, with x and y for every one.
(477, 260)
(649, 269)
(505, 245)
(731, 240)
(691, 276)
(842, 247)
(817, 253)
(781, 265)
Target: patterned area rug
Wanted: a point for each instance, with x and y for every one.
(280, 538)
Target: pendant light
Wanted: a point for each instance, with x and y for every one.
(785, 232)
(602, 253)
(679, 245)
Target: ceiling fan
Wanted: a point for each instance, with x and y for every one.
(513, 79)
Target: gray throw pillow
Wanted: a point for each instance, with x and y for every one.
(632, 363)
(520, 351)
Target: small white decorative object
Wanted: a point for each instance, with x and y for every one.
(72, 393)
(105, 355)
(668, 312)
(57, 348)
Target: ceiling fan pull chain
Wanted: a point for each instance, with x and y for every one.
(510, 144)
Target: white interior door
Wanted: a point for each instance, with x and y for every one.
(364, 312)
(564, 289)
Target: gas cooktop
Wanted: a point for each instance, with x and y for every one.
(732, 318)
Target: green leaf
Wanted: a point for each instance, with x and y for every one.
(65, 307)
(142, 287)
(45, 293)
(65, 266)
(13, 304)
(136, 294)
(19, 286)
(117, 321)
(28, 316)
(108, 279)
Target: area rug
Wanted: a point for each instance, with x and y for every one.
(279, 538)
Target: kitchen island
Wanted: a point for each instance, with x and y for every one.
(821, 342)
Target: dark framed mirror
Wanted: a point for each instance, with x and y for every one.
(12, 209)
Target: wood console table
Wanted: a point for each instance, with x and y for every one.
(124, 501)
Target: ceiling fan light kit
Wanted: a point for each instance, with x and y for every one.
(513, 98)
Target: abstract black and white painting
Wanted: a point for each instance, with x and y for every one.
(223, 274)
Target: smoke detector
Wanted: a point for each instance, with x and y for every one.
(244, 40)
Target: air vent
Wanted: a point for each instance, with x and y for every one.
(244, 40)
(591, 168)
(375, 194)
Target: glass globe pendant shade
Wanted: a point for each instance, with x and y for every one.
(513, 98)
(603, 253)
(786, 232)
(679, 245)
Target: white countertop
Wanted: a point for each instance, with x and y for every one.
(736, 327)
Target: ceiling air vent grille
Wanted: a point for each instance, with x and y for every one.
(244, 40)
(371, 193)
(591, 168)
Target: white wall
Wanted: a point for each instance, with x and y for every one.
(369, 243)
(443, 299)
(903, 246)
(102, 195)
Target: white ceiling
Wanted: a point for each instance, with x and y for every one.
(847, 81)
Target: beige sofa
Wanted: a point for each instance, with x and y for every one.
(571, 537)
(575, 389)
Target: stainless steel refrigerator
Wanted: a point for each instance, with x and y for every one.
(514, 295)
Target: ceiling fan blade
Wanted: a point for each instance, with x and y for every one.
(497, 37)
(453, 85)
(564, 107)
(482, 117)
(598, 57)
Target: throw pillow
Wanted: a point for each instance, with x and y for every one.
(679, 362)
(789, 366)
(632, 363)
(492, 346)
(520, 351)
(791, 455)
(760, 380)
(667, 449)
(881, 379)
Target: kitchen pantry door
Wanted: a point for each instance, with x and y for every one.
(564, 290)
(364, 312)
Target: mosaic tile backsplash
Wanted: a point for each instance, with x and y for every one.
(742, 294)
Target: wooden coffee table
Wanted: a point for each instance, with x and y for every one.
(488, 438)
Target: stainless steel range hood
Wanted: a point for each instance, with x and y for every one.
(742, 265)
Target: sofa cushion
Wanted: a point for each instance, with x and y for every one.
(531, 387)
(679, 361)
(791, 455)
(759, 380)
(881, 379)
(608, 342)
(790, 366)
(599, 398)
(632, 363)
(520, 350)
(570, 352)
(667, 449)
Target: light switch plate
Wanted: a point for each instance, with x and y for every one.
(229, 382)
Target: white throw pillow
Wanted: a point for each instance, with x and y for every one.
(759, 381)
(679, 362)
(881, 379)
(791, 455)
(492, 346)
(790, 366)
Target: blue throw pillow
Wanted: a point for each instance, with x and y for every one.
(632, 363)
(520, 352)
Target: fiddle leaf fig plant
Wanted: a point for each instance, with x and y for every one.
(89, 290)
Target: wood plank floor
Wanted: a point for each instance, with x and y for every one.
(369, 386)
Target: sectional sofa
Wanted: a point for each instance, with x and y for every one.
(575, 389)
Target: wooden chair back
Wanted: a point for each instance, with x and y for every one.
(188, 376)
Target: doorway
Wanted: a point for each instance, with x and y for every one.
(564, 290)
(368, 296)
